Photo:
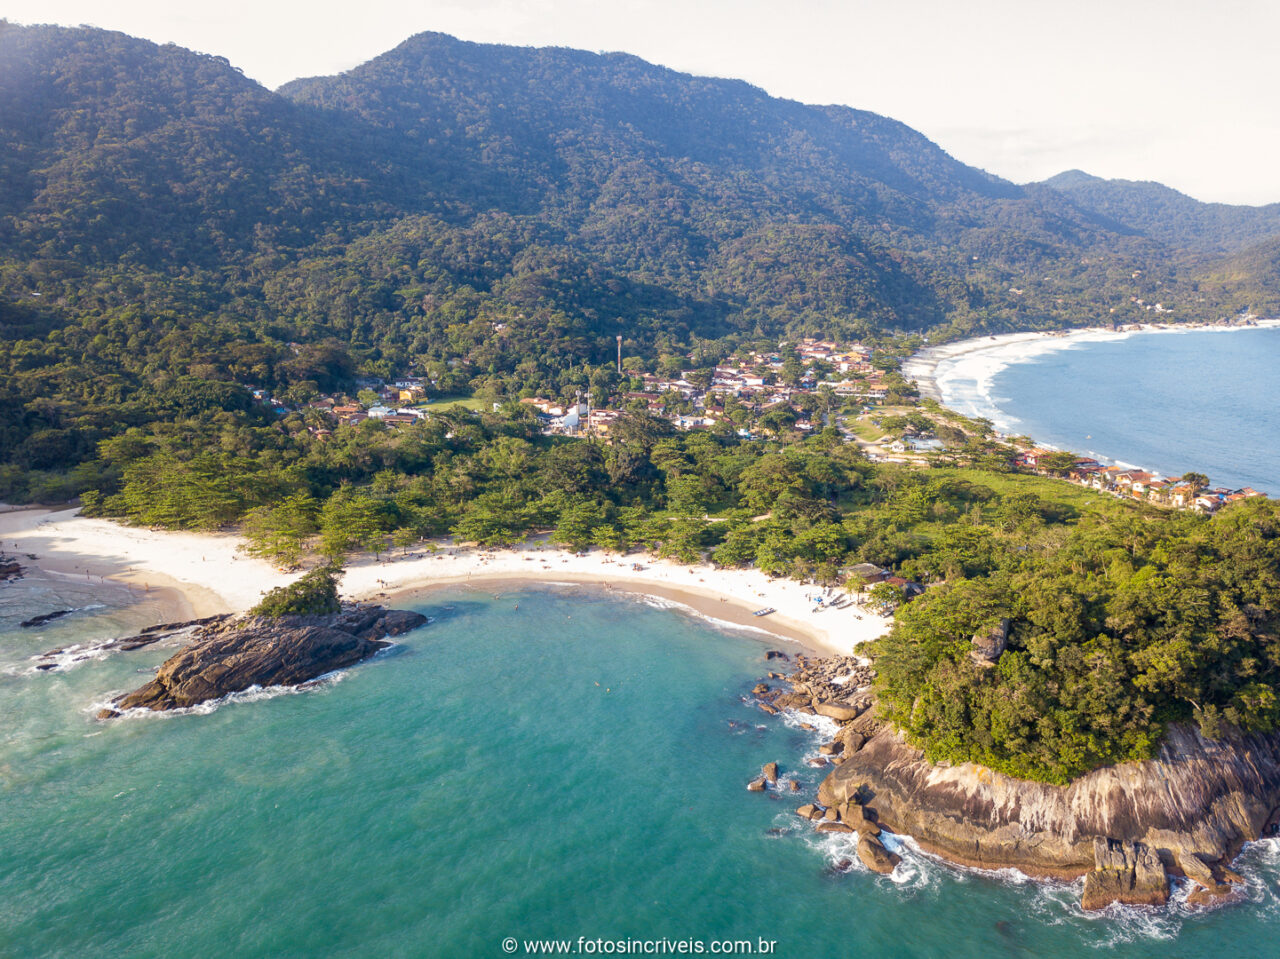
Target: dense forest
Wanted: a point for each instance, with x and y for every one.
(1175, 219)
(489, 218)
(1117, 627)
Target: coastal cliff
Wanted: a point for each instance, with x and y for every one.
(1193, 806)
(229, 657)
(1126, 828)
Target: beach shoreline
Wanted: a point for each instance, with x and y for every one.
(923, 366)
(203, 574)
(961, 375)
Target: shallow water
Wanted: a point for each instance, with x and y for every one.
(1203, 400)
(573, 767)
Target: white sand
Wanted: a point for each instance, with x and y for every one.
(214, 576)
(959, 375)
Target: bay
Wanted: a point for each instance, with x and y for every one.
(541, 763)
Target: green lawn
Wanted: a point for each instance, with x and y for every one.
(450, 402)
(867, 430)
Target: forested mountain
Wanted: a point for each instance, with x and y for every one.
(1162, 213)
(492, 217)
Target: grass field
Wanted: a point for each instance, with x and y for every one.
(866, 430)
(450, 402)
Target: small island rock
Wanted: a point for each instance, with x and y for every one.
(266, 651)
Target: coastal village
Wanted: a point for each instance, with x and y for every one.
(1169, 491)
(796, 382)
(800, 386)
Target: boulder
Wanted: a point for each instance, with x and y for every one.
(856, 816)
(874, 856)
(989, 644)
(770, 772)
(831, 749)
(851, 739)
(756, 785)
(841, 712)
(766, 708)
(809, 811)
(1212, 884)
(833, 827)
(1124, 872)
(795, 786)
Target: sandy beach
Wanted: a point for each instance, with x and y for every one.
(960, 375)
(209, 574)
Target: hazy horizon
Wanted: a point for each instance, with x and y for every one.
(1146, 91)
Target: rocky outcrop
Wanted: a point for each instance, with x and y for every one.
(228, 657)
(1127, 873)
(9, 569)
(45, 618)
(989, 644)
(1186, 812)
(65, 656)
(1126, 828)
(834, 687)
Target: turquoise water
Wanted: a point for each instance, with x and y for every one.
(1206, 401)
(573, 767)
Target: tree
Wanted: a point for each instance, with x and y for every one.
(1197, 481)
(280, 531)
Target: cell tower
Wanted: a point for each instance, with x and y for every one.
(619, 353)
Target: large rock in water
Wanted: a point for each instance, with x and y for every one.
(261, 651)
(1127, 873)
(874, 856)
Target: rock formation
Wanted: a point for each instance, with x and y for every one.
(1127, 873)
(874, 856)
(989, 644)
(265, 651)
(1126, 828)
(1185, 812)
(68, 655)
(9, 568)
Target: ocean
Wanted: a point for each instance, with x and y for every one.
(1206, 401)
(542, 763)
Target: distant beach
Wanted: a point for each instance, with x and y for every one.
(967, 376)
(937, 370)
(206, 573)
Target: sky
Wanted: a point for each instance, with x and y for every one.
(1180, 91)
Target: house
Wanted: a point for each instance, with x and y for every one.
(1034, 457)
(923, 444)
(866, 573)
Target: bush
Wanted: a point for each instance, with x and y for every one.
(315, 594)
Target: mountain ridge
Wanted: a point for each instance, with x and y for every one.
(1162, 213)
(493, 217)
